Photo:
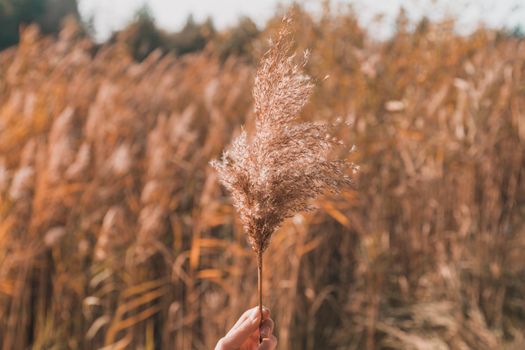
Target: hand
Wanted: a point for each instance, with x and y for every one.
(244, 335)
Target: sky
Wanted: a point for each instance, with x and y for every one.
(111, 15)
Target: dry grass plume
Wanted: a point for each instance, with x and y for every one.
(276, 172)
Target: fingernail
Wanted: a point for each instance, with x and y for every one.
(265, 331)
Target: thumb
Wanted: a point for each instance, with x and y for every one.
(268, 343)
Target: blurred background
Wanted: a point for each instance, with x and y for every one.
(114, 231)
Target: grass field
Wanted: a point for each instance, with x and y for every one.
(115, 233)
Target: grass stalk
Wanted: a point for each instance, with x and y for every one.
(259, 289)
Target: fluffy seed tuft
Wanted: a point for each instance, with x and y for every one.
(275, 172)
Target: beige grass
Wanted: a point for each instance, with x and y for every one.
(115, 232)
(284, 165)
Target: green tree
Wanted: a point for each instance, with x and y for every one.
(48, 14)
(193, 37)
(142, 35)
(238, 40)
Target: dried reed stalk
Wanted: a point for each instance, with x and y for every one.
(275, 172)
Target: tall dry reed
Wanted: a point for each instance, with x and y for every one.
(114, 232)
(276, 172)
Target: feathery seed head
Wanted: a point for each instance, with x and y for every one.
(275, 172)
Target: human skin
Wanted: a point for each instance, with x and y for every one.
(244, 335)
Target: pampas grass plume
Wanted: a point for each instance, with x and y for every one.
(275, 172)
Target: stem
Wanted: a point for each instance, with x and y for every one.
(259, 285)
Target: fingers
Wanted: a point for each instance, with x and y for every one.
(243, 317)
(247, 324)
(267, 328)
(247, 313)
(268, 343)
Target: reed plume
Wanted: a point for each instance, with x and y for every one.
(277, 170)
